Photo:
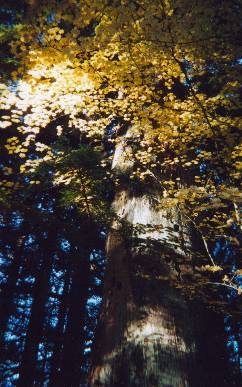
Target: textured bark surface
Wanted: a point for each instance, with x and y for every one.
(149, 334)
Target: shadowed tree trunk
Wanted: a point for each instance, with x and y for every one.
(8, 290)
(59, 335)
(70, 372)
(149, 334)
(28, 364)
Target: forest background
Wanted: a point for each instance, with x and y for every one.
(99, 97)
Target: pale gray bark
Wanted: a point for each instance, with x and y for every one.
(149, 333)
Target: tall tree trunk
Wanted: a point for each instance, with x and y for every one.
(8, 290)
(28, 364)
(55, 367)
(70, 372)
(149, 334)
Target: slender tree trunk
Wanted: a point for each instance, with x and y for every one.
(9, 289)
(70, 373)
(28, 364)
(149, 334)
(54, 379)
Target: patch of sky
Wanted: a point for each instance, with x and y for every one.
(9, 336)
(87, 350)
(57, 282)
(103, 234)
(16, 219)
(29, 240)
(52, 301)
(9, 377)
(2, 223)
(15, 376)
(65, 245)
(29, 280)
(51, 17)
(233, 346)
(3, 279)
(97, 281)
(203, 167)
(48, 208)
(58, 273)
(88, 342)
(22, 310)
(25, 302)
(233, 342)
(8, 383)
(3, 261)
(94, 300)
(41, 352)
(13, 85)
(97, 255)
(40, 37)
(53, 321)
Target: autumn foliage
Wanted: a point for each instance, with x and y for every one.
(162, 78)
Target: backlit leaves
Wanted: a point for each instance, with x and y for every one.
(166, 71)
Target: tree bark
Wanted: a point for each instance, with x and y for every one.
(54, 379)
(74, 337)
(149, 333)
(8, 290)
(27, 371)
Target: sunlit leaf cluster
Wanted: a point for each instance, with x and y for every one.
(167, 72)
